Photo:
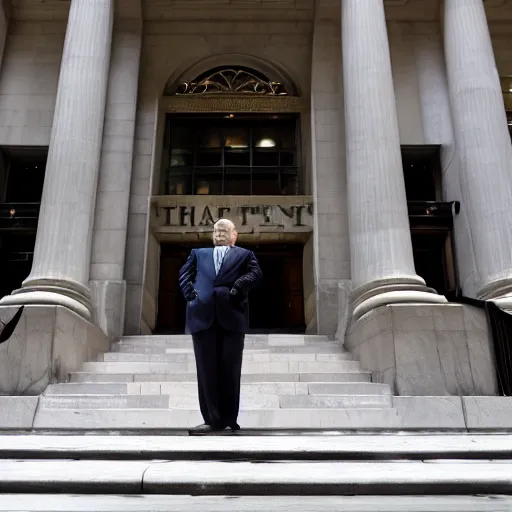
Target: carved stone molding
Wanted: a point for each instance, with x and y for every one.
(230, 103)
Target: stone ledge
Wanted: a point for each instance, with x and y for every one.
(246, 478)
(488, 413)
(292, 447)
(431, 412)
(47, 344)
(17, 412)
(165, 503)
(426, 349)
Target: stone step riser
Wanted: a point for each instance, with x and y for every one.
(164, 503)
(263, 357)
(190, 388)
(272, 338)
(165, 419)
(247, 367)
(306, 349)
(247, 401)
(250, 342)
(191, 377)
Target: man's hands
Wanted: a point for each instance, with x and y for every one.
(191, 296)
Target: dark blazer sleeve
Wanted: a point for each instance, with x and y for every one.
(187, 276)
(251, 277)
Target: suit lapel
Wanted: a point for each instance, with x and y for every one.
(210, 263)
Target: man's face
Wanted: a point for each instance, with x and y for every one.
(222, 234)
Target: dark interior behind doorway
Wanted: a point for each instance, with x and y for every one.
(277, 305)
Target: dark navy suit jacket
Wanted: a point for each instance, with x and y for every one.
(240, 270)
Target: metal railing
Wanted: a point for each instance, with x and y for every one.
(19, 215)
(433, 209)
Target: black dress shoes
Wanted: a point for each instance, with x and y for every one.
(202, 430)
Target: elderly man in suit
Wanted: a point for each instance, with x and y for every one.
(215, 282)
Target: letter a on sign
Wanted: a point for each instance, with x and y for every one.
(206, 218)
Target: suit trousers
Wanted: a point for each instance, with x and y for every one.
(218, 354)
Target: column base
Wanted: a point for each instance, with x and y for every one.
(400, 290)
(69, 294)
(499, 292)
(47, 343)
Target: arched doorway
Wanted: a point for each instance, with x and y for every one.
(233, 135)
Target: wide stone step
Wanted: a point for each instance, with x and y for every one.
(165, 419)
(247, 367)
(248, 400)
(190, 388)
(328, 447)
(357, 376)
(333, 401)
(254, 357)
(165, 503)
(146, 348)
(276, 340)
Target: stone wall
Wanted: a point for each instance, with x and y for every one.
(331, 241)
(108, 286)
(28, 82)
(405, 77)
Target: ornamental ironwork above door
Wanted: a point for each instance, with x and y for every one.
(233, 81)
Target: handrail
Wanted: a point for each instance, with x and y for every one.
(19, 215)
(433, 208)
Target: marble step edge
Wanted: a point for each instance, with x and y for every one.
(297, 388)
(254, 357)
(182, 419)
(177, 401)
(249, 345)
(232, 478)
(248, 367)
(356, 376)
(248, 337)
(281, 341)
(164, 503)
(306, 349)
(294, 447)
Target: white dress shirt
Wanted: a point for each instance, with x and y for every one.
(219, 253)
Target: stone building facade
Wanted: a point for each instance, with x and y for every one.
(392, 198)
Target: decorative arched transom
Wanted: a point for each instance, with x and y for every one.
(233, 80)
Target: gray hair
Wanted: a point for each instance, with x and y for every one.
(225, 221)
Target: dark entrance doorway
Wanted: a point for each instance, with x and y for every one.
(275, 306)
(22, 172)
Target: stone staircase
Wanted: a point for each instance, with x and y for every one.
(288, 382)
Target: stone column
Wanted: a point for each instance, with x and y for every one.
(60, 272)
(438, 129)
(382, 265)
(483, 142)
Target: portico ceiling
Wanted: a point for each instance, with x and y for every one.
(397, 10)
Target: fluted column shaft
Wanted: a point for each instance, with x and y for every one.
(382, 264)
(483, 142)
(60, 272)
